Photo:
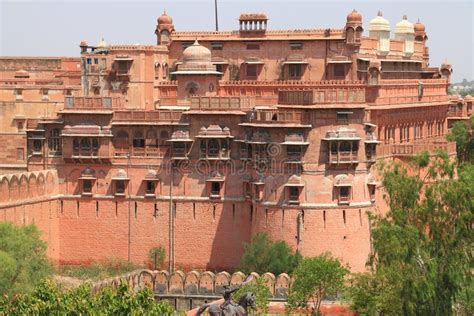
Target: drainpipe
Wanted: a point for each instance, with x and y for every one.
(171, 222)
(129, 213)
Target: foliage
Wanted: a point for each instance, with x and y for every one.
(463, 134)
(23, 259)
(261, 292)
(157, 257)
(422, 248)
(315, 279)
(98, 270)
(47, 299)
(262, 255)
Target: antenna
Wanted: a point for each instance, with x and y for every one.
(217, 21)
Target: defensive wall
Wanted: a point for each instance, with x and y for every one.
(206, 234)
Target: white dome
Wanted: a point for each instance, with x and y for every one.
(102, 44)
(379, 23)
(404, 27)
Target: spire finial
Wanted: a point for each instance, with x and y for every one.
(379, 13)
(405, 17)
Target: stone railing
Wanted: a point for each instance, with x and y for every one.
(222, 103)
(321, 96)
(144, 116)
(92, 103)
(281, 116)
(410, 149)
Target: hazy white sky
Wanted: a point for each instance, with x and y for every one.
(55, 28)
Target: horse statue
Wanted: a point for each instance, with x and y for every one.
(229, 308)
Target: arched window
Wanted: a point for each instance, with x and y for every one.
(76, 144)
(121, 140)
(85, 144)
(165, 71)
(164, 136)
(95, 144)
(334, 148)
(151, 139)
(350, 35)
(213, 147)
(138, 140)
(203, 148)
(345, 146)
(54, 141)
(157, 70)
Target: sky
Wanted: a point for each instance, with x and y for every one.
(55, 28)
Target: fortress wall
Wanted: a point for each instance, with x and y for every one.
(343, 233)
(210, 235)
(30, 198)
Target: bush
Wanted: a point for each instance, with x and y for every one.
(262, 255)
(47, 299)
(99, 270)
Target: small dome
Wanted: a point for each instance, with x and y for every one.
(468, 98)
(88, 172)
(165, 19)
(379, 23)
(354, 17)
(404, 27)
(102, 44)
(197, 52)
(121, 174)
(446, 64)
(419, 27)
(83, 43)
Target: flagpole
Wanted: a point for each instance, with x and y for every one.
(217, 21)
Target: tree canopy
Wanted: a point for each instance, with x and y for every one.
(23, 258)
(315, 279)
(422, 248)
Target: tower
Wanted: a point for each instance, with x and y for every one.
(164, 29)
(354, 28)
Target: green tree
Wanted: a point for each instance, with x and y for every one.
(316, 278)
(422, 248)
(262, 255)
(23, 258)
(463, 134)
(261, 292)
(47, 299)
(157, 257)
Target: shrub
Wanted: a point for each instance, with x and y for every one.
(262, 255)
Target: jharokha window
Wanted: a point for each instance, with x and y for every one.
(294, 195)
(85, 146)
(150, 187)
(344, 194)
(215, 188)
(86, 186)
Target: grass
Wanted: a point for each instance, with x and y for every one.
(97, 271)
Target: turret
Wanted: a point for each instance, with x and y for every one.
(354, 28)
(379, 28)
(164, 29)
(404, 31)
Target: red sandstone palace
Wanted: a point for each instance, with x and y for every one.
(203, 140)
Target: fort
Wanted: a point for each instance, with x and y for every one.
(205, 139)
